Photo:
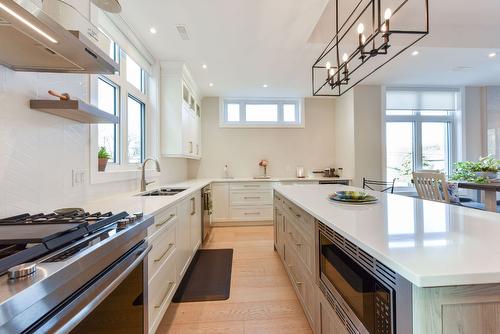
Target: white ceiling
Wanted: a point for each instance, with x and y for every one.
(248, 43)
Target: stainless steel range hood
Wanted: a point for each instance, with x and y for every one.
(30, 40)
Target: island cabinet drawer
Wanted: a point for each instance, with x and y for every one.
(252, 213)
(161, 290)
(163, 248)
(279, 232)
(302, 245)
(305, 221)
(302, 283)
(251, 198)
(250, 186)
(162, 221)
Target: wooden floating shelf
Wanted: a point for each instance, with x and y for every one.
(76, 110)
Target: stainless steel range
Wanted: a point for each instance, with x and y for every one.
(74, 272)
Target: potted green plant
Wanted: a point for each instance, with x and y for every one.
(102, 156)
(488, 167)
(479, 172)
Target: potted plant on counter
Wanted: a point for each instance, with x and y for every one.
(483, 171)
(102, 156)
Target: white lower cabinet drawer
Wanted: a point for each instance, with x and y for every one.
(254, 198)
(164, 245)
(161, 290)
(250, 185)
(162, 220)
(252, 213)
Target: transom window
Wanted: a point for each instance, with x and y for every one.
(419, 126)
(261, 113)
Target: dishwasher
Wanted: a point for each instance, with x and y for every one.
(206, 200)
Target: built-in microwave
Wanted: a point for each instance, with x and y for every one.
(367, 295)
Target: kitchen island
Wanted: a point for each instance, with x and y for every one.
(446, 254)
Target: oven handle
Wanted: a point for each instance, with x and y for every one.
(70, 317)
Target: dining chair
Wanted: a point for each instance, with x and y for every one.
(382, 186)
(431, 185)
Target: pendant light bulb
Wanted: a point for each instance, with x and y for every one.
(345, 57)
(387, 14)
(328, 65)
(363, 39)
(361, 28)
(331, 72)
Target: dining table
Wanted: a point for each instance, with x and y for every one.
(490, 192)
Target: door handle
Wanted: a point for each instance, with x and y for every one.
(193, 206)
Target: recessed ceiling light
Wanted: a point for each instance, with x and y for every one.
(265, 86)
(211, 84)
(152, 30)
(204, 66)
(492, 55)
(415, 53)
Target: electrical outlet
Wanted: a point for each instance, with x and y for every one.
(79, 177)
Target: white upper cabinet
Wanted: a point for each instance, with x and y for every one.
(180, 112)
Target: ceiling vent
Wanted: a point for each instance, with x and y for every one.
(183, 33)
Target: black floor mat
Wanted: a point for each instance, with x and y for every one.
(207, 278)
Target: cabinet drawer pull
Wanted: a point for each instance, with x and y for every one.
(252, 197)
(170, 286)
(293, 276)
(252, 213)
(165, 252)
(172, 216)
(291, 210)
(193, 206)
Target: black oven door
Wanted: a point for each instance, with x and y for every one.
(365, 296)
(115, 301)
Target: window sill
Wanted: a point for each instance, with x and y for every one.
(262, 125)
(117, 175)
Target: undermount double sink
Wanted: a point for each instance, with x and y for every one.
(163, 192)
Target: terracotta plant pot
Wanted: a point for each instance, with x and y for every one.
(102, 164)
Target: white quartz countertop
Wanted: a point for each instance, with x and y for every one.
(430, 244)
(149, 205)
(130, 202)
(279, 179)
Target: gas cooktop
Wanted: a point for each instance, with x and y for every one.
(26, 238)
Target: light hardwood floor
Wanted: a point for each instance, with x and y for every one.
(262, 298)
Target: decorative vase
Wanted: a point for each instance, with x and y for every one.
(487, 175)
(102, 163)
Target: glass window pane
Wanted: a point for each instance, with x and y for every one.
(289, 114)
(233, 112)
(435, 146)
(135, 131)
(134, 74)
(107, 133)
(261, 112)
(399, 145)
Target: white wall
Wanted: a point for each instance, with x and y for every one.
(369, 154)
(38, 151)
(286, 148)
(344, 133)
(358, 133)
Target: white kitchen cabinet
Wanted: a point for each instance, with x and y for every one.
(180, 113)
(242, 203)
(195, 221)
(175, 237)
(220, 202)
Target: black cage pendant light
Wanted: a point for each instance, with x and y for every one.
(368, 35)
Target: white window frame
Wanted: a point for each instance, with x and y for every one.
(417, 119)
(122, 170)
(242, 123)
